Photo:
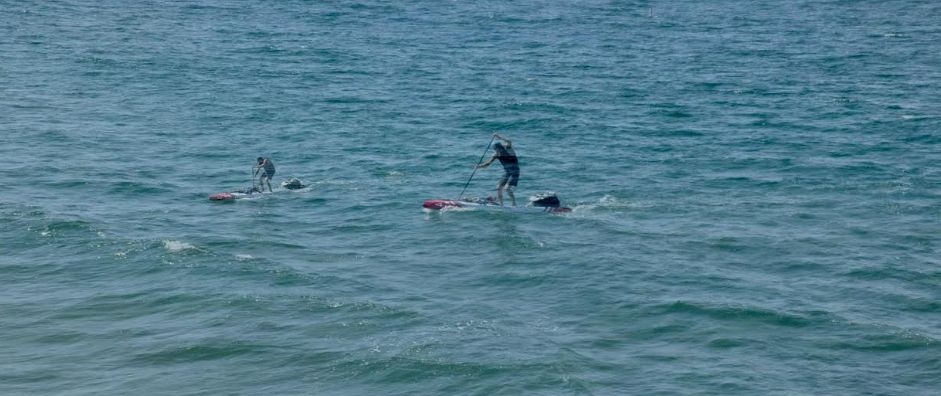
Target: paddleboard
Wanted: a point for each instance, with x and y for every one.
(226, 196)
(237, 195)
(450, 204)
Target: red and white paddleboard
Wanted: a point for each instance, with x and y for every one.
(228, 196)
(450, 204)
(222, 197)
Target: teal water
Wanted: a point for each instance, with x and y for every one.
(755, 191)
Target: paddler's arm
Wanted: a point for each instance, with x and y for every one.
(486, 164)
(509, 144)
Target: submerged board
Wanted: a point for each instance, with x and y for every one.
(450, 204)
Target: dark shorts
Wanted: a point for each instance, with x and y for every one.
(266, 175)
(510, 178)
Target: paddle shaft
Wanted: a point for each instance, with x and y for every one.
(475, 167)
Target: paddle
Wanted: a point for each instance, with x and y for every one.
(252, 191)
(475, 167)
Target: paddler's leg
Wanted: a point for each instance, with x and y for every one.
(511, 184)
(264, 181)
(509, 191)
(501, 185)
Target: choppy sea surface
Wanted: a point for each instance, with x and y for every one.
(755, 188)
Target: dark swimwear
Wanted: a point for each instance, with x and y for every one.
(269, 170)
(510, 166)
(513, 178)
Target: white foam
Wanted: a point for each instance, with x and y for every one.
(177, 246)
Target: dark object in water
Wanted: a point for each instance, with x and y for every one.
(547, 200)
(293, 184)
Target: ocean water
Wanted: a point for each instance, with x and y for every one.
(755, 188)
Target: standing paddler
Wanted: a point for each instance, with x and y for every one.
(507, 157)
(268, 166)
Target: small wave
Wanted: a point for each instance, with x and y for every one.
(130, 187)
(177, 246)
(727, 343)
(65, 229)
(902, 340)
(63, 226)
(888, 35)
(605, 203)
(745, 313)
(199, 352)
(916, 117)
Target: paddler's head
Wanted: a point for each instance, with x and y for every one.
(498, 147)
(260, 160)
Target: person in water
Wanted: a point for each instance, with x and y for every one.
(511, 167)
(268, 167)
